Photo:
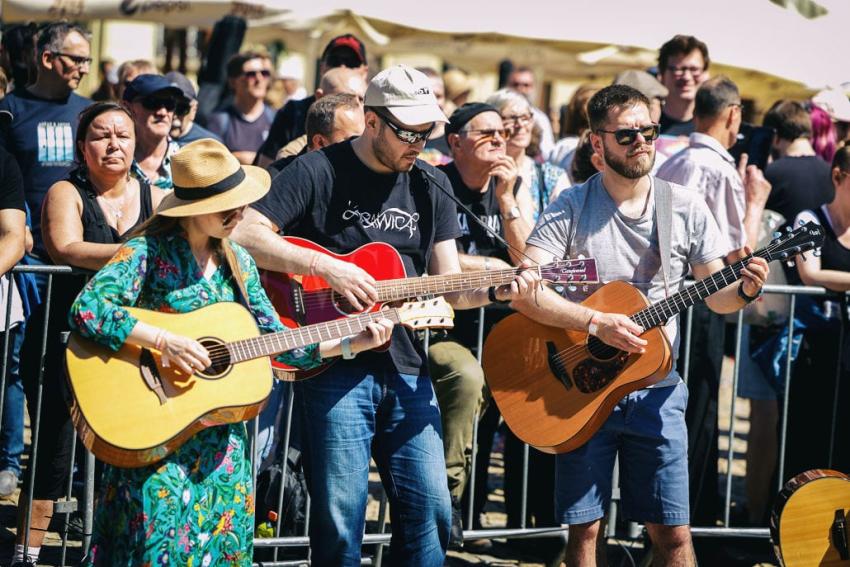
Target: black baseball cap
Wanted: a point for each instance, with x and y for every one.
(344, 51)
(465, 113)
(148, 84)
(180, 81)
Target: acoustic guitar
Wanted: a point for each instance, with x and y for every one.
(555, 388)
(808, 525)
(304, 300)
(130, 411)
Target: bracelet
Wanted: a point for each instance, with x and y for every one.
(491, 295)
(592, 328)
(314, 262)
(159, 339)
(345, 347)
(747, 298)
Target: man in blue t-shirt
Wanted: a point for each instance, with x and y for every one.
(44, 116)
(41, 136)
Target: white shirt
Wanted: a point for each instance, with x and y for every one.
(705, 165)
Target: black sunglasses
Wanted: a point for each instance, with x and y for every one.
(265, 73)
(77, 60)
(407, 136)
(157, 102)
(627, 136)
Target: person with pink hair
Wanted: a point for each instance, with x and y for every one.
(824, 137)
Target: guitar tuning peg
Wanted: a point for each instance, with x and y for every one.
(788, 229)
(580, 257)
(816, 252)
(777, 234)
(559, 289)
(803, 257)
(790, 263)
(571, 287)
(783, 256)
(583, 277)
(801, 222)
(584, 289)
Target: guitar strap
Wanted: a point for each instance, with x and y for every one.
(663, 223)
(235, 272)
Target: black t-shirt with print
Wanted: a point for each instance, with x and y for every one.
(476, 241)
(673, 127)
(331, 198)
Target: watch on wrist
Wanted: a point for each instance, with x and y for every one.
(512, 214)
(748, 298)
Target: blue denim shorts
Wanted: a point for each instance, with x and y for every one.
(647, 428)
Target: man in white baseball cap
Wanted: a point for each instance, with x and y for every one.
(365, 190)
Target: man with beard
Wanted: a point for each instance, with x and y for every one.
(612, 217)
(372, 189)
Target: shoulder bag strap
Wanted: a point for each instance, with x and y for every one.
(663, 222)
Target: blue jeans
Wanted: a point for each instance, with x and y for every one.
(12, 436)
(647, 428)
(350, 412)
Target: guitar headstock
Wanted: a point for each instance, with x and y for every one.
(792, 242)
(578, 272)
(434, 313)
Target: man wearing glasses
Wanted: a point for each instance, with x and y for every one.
(372, 189)
(612, 217)
(244, 124)
(682, 68)
(152, 100)
(40, 135)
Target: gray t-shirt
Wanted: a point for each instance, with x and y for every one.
(625, 248)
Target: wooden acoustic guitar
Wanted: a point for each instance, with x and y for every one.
(304, 300)
(555, 388)
(810, 518)
(130, 411)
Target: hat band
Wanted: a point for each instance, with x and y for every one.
(226, 184)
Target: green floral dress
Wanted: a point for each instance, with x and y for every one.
(194, 507)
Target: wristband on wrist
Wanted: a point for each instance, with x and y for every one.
(345, 347)
(491, 295)
(159, 340)
(592, 327)
(314, 262)
(747, 298)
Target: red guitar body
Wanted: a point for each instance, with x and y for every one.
(304, 300)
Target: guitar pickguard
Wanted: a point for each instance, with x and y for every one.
(592, 375)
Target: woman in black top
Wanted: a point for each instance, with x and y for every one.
(819, 417)
(84, 219)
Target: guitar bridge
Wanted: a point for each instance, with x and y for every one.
(299, 308)
(556, 366)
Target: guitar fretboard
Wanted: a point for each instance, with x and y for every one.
(273, 343)
(658, 313)
(393, 290)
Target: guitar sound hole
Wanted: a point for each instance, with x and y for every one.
(220, 357)
(342, 304)
(600, 350)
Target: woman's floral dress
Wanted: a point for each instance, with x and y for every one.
(194, 507)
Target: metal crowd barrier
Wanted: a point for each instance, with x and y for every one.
(86, 476)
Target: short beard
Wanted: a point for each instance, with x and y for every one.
(629, 171)
(383, 153)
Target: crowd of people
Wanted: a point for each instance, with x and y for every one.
(176, 209)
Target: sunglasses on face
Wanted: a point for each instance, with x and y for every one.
(77, 60)
(349, 60)
(229, 215)
(409, 137)
(183, 107)
(490, 133)
(265, 73)
(627, 136)
(155, 103)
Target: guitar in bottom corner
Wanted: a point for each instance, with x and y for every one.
(809, 522)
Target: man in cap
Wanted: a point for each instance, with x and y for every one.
(183, 127)
(372, 189)
(342, 51)
(649, 86)
(152, 100)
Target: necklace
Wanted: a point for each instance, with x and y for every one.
(117, 212)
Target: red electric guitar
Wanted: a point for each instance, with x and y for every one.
(305, 300)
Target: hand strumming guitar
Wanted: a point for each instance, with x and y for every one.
(617, 330)
(187, 354)
(348, 279)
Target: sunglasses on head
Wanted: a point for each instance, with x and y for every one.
(157, 102)
(627, 136)
(407, 136)
(265, 73)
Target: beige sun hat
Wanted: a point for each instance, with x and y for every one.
(209, 179)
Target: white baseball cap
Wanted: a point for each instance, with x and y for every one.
(407, 94)
(835, 103)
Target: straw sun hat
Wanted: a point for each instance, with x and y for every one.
(209, 179)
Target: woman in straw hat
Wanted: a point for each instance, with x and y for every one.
(195, 506)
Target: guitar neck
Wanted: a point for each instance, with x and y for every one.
(661, 311)
(397, 289)
(274, 343)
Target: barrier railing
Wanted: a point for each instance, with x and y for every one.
(85, 477)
